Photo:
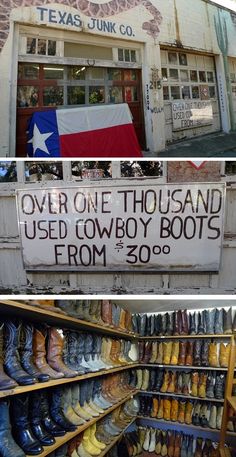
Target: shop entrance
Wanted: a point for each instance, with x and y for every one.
(44, 87)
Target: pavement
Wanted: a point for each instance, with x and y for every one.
(214, 145)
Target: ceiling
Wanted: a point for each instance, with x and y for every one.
(154, 305)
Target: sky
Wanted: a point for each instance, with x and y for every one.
(227, 3)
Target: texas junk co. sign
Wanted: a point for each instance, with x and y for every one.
(173, 227)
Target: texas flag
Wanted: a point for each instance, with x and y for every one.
(98, 131)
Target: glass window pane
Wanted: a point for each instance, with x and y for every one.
(31, 46)
(202, 76)
(141, 169)
(91, 169)
(76, 73)
(172, 58)
(164, 74)
(175, 92)
(52, 47)
(115, 95)
(28, 71)
(130, 75)
(131, 94)
(127, 55)
(53, 72)
(114, 75)
(76, 95)
(53, 96)
(166, 93)
(96, 94)
(43, 171)
(174, 75)
(27, 96)
(42, 47)
(8, 171)
(120, 55)
(97, 73)
(233, 77)
(193, 76)
(210, 76)
(212, 91)
(195, 92)
(185, 92)
(183, 59)
(133, 56)
(184, 75)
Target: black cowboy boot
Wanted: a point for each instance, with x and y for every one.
(158, 325)
(12, 360)
(152, 325)
(169, 324)
(220, 386)
(227, 321)
(21, 429)
(192, 324)
(26, 353)
(205, 353)
(200, 329)
(35, 418)
(134, 323)
(8, 447)
(210, 385)
(47, 421)
(56, 410)
(5, 381)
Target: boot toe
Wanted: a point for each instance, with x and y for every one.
(8, 384)
(43, 377)
(26, 380)
(35, 449)
(47, 441)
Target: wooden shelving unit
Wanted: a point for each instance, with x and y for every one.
(230, 401)
(116, 439)
(186, 397)
(70, 435)
(183, 337)
(181, 367)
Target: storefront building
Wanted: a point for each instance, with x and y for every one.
(166, 63)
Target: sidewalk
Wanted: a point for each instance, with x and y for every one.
(214, 145)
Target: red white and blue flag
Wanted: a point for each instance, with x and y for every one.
(99, 131)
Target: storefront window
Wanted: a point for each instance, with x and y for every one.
(76, 95)
(184, 75)
(185, 92)
(53, 96)
(175, 93)
(183, 59)
(53, 72)
(172, 58)
(8, 171)
(164, 74)
(212, 91)
(127, 55)
(174, 74)
(202, 76)
(43, 171)
(210, 76)
(97, 73)
(27, 97)
(166, 93)
(28, 71)
(51, 48)
(195, 92)
(114, 75)
(233, 77)
(131, 94)
(115, 95)
(77, 73)
(31, 46)
(130, 75)
(193, 76)
(42, 47)
(96, 95)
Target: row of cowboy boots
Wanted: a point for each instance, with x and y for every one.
(182, 411)
(206, 322)
(197, 384)
(38, 418)
(30, 354)
(98, 436)
(170, 443)
(189, 353)
(102, 312)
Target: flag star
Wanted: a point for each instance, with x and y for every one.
(39, 140)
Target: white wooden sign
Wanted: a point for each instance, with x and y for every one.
(188, 114)
(173, 227)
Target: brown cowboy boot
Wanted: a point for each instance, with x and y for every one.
(107, 312)
(182, 352)
(55, 353)
(189, 353)
(39, 352)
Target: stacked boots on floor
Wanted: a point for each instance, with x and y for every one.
(30, 354)
(94, 440)
(183, 411)
(36, 419)
(197, 353)
(102, 312)
(171, 443)
(207, 322)
(200, 384)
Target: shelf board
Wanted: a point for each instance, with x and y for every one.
(182, 367)
(57, 382)
(225, 452)
(114, 441)
(167, 394)
(181, 337)
(70, 435)
(35, 314)
(191, 426)
(232, 402)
